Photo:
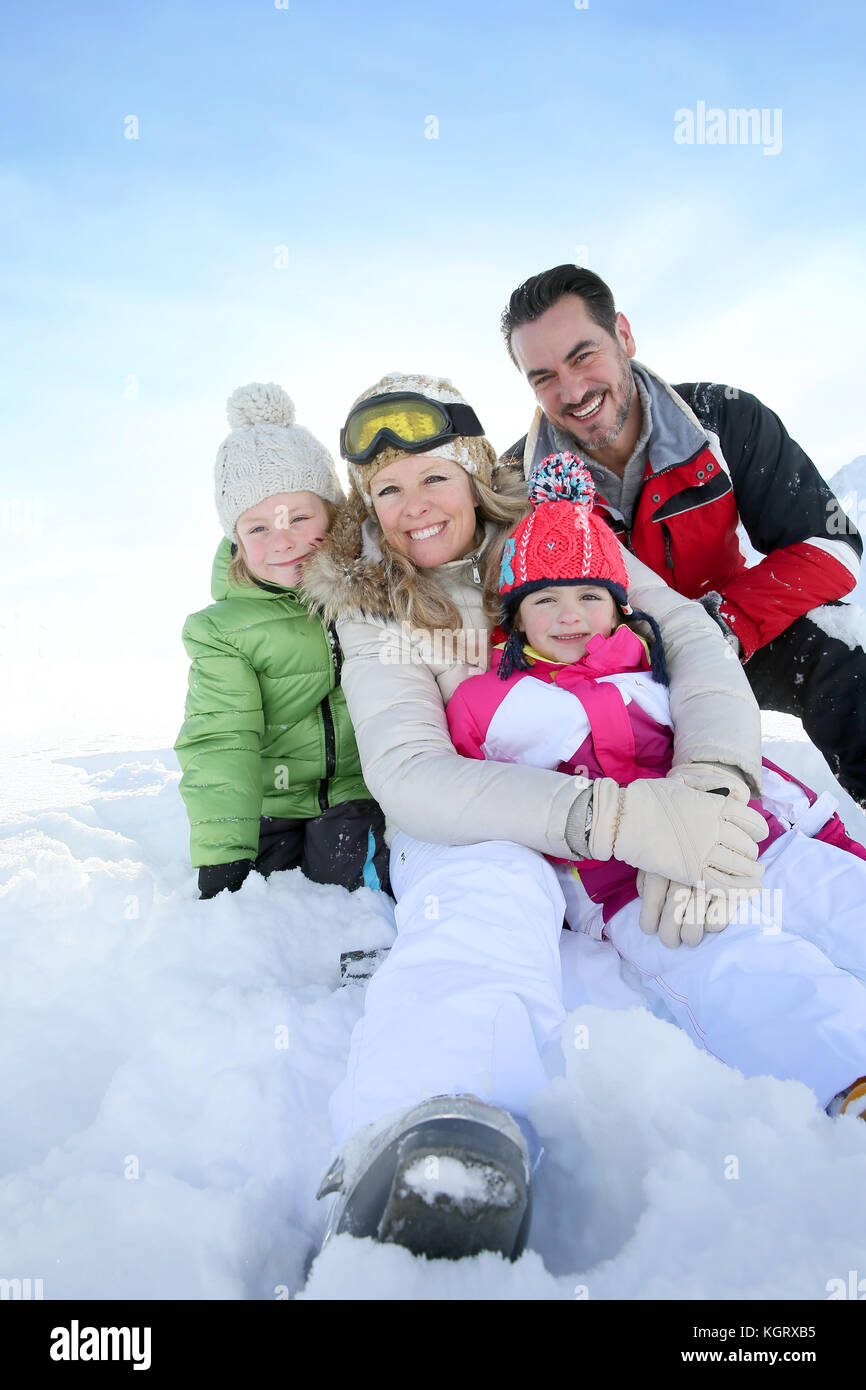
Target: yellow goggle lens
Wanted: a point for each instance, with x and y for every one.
(410, 421)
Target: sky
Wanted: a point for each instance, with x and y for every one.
(198, 195)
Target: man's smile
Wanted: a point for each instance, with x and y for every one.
(590, 410)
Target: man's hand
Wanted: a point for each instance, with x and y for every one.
(712, 602)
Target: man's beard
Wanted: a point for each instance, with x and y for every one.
(627, 388)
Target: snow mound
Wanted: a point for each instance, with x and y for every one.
(165, 1096)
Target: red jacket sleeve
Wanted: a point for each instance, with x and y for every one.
(791, 515)
(759, 603)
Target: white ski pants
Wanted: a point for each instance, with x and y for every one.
(780, 991)
(470, 997)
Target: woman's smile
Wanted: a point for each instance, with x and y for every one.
(428, 532)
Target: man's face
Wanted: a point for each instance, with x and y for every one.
(579, 373)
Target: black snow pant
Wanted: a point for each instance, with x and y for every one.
(344, 845)
(822, 680)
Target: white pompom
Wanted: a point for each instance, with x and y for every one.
(260, 403)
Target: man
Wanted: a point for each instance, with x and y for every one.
(677, 469)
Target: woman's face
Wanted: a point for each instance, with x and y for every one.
(426, 508)
(279, 534)
(559, 621)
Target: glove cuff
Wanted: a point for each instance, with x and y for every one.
(607, 808)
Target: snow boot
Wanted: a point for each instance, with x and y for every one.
(850, 1102)
(359, 966)
(449, 1178)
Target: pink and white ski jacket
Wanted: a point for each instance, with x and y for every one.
(613, 720)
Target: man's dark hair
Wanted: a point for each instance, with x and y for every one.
(531, 299)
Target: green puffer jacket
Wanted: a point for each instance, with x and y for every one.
(266, 732)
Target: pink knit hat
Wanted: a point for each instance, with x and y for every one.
(561, 541)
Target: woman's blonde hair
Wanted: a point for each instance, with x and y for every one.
(239, 572)
(416, 595)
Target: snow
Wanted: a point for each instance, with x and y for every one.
(848, 624)
(465, 1183)
(849, 485)
(167, 1063)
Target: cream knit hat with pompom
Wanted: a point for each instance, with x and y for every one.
(267, 453)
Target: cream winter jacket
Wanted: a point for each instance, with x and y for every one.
(398, 682)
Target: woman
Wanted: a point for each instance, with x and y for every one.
(469, 1001)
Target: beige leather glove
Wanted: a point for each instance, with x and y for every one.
(664, 827)
(680, 913)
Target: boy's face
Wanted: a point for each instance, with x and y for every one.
(559, 621)
(279, 534)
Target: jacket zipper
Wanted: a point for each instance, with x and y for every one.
(476, 573)
(336, 652)
(669, 559)
(328, 720)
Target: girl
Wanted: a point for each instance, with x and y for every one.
(763, 997)
(271, 773)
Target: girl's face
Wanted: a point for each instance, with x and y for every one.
(279, 534)
(426, 508)
(559, 621)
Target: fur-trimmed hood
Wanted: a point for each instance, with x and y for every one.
(347, 574)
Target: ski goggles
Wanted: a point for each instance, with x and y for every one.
(408, 421)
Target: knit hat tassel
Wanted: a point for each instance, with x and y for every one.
(513, 657)
(658, 665)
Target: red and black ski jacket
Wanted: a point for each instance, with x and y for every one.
(718, 458)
